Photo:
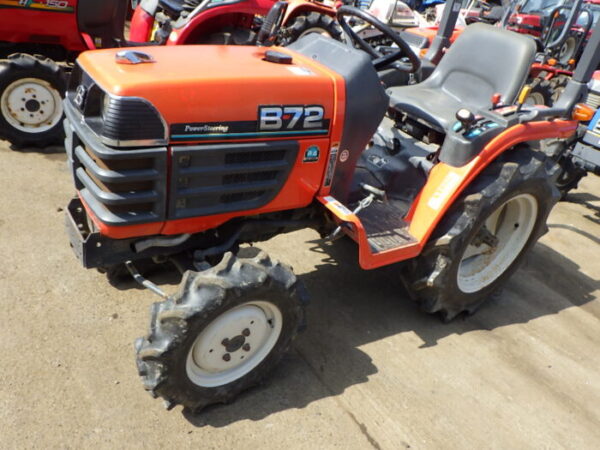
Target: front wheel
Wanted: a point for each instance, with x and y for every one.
(222, 333)
(309, 23)
(31, 93)
(485, 234)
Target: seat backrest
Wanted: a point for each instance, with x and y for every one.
(483, 61)
(104, 20)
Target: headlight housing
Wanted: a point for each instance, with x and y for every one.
(117, 121)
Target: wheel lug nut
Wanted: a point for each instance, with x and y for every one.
(246, 347)
(246, 332)
(226, 357)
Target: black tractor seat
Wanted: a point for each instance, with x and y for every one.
(483, 61)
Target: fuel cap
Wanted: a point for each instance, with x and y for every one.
(277, 57)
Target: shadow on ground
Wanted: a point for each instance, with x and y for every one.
(587, 200)
(351, 307)
(53, 152)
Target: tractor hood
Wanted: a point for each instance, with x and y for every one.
(199, 92)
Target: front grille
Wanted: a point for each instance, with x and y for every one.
(121, 188)
(215, 179)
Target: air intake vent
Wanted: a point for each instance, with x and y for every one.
(215, 179)
(593, 99)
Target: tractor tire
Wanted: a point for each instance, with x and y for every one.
(31, 93)
(308, 23)
(541, 93)
(224, 330)
(569, 176)
(485, 234)
(558, 85)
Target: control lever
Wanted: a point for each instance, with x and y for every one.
(496, 99)
(364, 203)
(466, 119)
(373, 190)
(523, 96)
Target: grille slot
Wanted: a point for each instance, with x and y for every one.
(214, 179)
(592, 99)
(237, 178)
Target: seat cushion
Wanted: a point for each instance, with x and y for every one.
(436, 108)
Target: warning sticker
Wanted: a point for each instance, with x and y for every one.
(444, 190)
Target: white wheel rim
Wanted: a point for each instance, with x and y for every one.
(234, 344)
(512, 224)
(31, 105)
(535, 98)
(566, 51)
(315, 30)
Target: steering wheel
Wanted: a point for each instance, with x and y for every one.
(379, 61)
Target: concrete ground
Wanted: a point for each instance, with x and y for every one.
(371, 371)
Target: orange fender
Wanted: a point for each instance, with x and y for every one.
(443, 187)
(446, 183)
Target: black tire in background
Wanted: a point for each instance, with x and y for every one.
(52, 79)
(307, 23)
(433, 277)
(541, 93)
(569, 176)
(207, 298)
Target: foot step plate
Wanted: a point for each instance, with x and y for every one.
(386, 230)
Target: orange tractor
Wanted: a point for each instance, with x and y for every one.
(181, 155)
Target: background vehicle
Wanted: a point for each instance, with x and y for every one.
(580, 155)
(440, 175)
(177, 22)
(38, 44)
(414, 28)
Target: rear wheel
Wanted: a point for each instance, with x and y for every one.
(485, 234)
(568, 49)
(222, 333)
(309, 23)
(31, 93)
(569, 176)
(541, 93)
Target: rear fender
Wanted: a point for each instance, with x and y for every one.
(446, 183)
(196, 26)
(443, 187)
(141, 25)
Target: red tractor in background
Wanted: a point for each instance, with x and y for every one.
(547, 19)
(40, 39)
(561, 37)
